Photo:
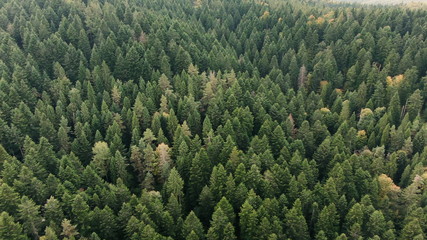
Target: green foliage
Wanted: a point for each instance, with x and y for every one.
(10, 229)
(221, 228)
(212, 120)
(296, 225)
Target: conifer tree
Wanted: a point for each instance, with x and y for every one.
(10, 229)
(296, 226)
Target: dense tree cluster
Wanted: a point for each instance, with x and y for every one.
(211, 119)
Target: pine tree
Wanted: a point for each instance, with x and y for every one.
(193, 226)
(220, 228)
(248, 222)
(328, 221)
(133, 64)
(50, 234)
(27, 184)
(68, 229)
(227, 208)
(354, 216)
(182, 60)
(295, 223)
(376, 224)
(394, 109)
(117, 168)
(217, 181)
(10, 229)
(206, 204)
(80, 210)
(192, 236)
(29, 214)
(81, 147)
(414, 105)
(412, 230)
(198, 175)
(8, 199)
(101, 157)
(277, 141)
(104, 222)
(53, 211)
(174, 185)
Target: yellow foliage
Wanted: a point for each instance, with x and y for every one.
(387, 186)
(323, 83)
(365, 112)
(197, 3)
(10, 28)
(163, 152)
(116, 94)
(320, 20)
(185, 129)
(338, 90)
(280, 20)
(193, 70)
(325, 110)
(395, 81)
(155, 194)
(265, 15)
(361, 133)
(68, 229)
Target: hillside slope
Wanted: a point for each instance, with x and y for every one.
(212, 120)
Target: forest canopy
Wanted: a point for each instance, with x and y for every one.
(212, 119)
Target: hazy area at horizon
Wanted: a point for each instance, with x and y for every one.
(413, 3)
